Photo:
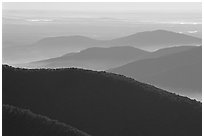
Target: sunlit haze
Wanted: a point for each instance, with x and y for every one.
(98, 20)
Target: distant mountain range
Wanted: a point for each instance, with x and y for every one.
(144, 40)
(92, 58)
(180, 72)
(57, 46)
(102, 58)
(156, 40)
(101, 103)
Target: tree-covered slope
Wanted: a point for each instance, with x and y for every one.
(101, 103)
(22, 122)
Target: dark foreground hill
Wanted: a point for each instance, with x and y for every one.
(101, 103)
(21, 122)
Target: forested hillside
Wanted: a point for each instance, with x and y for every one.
(101, 103)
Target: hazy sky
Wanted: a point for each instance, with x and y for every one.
(132, 12)
(97, 20)
(105, 6)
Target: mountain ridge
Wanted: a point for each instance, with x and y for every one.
(103, 58)
(56, 46)
(101, 103)
(96, 58)
(144, 70)
(23, 122)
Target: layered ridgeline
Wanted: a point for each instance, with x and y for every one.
(175, 69)
(56, 46)
(101, 103)
(21, 122)
(180, 72)
(98, 58)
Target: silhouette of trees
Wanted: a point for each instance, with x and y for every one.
(101, 103)
(21, 122)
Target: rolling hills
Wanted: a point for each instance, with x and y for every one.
(101, 103)
(56, 46)
(156, 39)
(180, 72)
(96, 58)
